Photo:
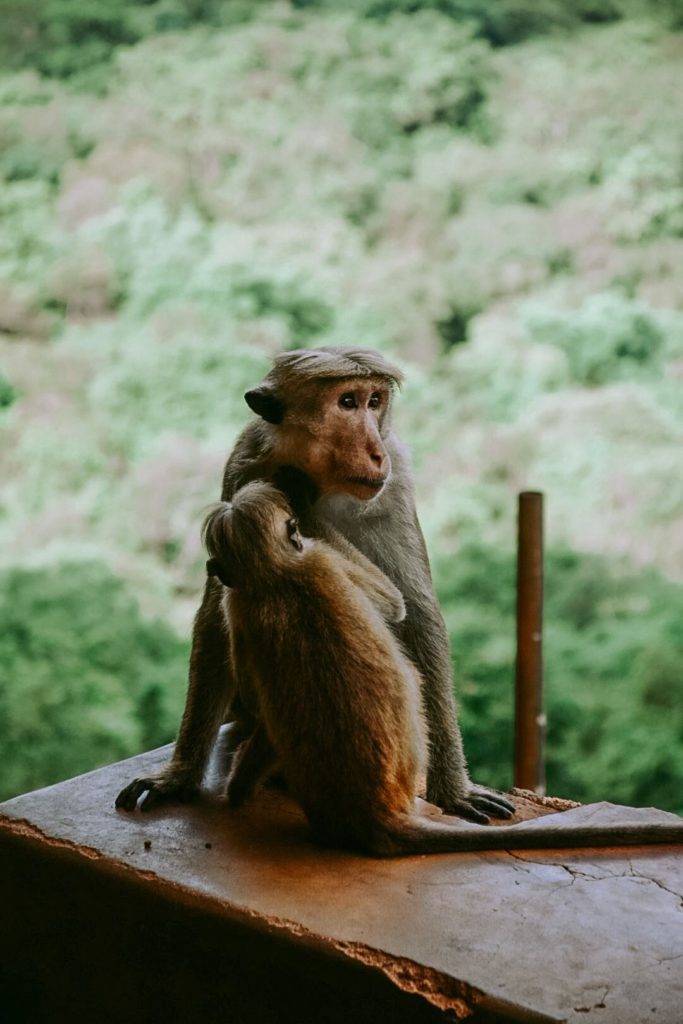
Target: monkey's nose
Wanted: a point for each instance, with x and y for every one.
(376, 458)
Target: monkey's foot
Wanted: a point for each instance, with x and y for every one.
(155, 790)
(479, 804)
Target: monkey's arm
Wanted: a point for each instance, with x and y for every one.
(209, 692)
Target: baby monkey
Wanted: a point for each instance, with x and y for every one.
(337, 701)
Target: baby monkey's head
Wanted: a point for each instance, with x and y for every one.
(253, 536)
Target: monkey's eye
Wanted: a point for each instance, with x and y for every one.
(348, 400)
(375, 400)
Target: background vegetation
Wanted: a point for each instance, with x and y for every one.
(492, 191)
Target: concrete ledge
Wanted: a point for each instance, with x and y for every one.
(202, 913)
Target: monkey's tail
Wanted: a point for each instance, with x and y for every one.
(414, 834)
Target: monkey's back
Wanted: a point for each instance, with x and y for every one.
(339, 699)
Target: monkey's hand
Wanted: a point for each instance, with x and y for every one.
(393, 607)
(386, 597)
(167, 787)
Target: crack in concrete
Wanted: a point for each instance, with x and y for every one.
(667, 959)
(596, 1006)
(601, 1005)
(577, 873)
(524, 860)
(660, 885)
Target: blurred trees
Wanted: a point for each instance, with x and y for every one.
(609, 338)
(501, 22)
(613, 651)
(85, 678)
(69, 38)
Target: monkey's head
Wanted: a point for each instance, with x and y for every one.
(251, 537)
(328, 410)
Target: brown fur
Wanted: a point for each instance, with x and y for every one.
(348, 478)
(339, 704)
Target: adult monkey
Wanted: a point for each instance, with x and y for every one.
(323, 433)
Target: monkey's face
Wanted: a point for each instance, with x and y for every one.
(335, 438)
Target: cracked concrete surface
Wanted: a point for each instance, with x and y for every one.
(529, 936)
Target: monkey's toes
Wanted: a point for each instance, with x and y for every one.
(152, 798)
(153, 793)
(491, 801)
(168, 791)
(467, 810)
(496, 809)
(128, 797)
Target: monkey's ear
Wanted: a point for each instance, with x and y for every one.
(214, 568)
(265, 403)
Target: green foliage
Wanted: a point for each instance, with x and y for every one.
(160, 257)
(454, 328)
(7, 392)
(407, 73)
(77, 35)
(476, 592)
(613, 679)
(86, 680)
(645, 192)
(69, 39)
(609, 338)
(175, 384)
(502, 22)
(63, 38)
(25, 160)
(674, 12)
(30, 239)
(305, 316)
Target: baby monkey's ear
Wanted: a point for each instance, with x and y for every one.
(293, 533)
(214, 568)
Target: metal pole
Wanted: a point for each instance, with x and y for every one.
(529, 717)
